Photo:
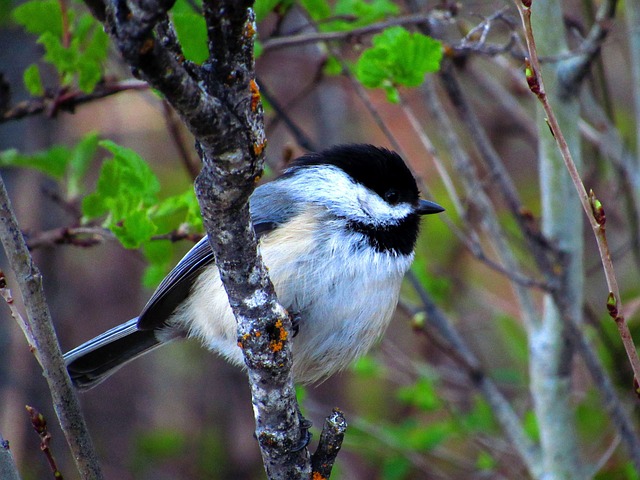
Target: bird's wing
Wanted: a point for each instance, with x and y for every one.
(270, 207)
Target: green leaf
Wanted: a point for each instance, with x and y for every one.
(396, 467)
(480, 418)
(82, 59)
(367, 367)
(89, 62)
(126, 190)
(33, 81)
(363, 12)
(423, 395)
(159, 255)
(398, 57)
(60, 57)
(515, 343)
(262, 8)
(192, 34)
(89, 74)
(318, 9)
(421, 438)
(52, 162)
(39, 16)
(135, 229)
(485, 461)
(530, 424)
(332, 67)
(178, 209)
(161, 443)
(81, 156)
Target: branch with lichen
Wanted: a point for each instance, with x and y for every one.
(591, 205)
(220, 103)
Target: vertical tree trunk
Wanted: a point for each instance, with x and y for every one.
(549, 345)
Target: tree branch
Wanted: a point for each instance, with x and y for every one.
(591, 206)
(571, 72)
(67, 101)
(220, 104)
(65, 401)
(329, 446)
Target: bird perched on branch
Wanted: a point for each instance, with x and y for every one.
(337, 231)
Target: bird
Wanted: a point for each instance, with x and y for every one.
(337, 231)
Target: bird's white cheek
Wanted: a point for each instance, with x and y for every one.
(380, 212)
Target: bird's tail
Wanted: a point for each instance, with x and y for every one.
(94, 361)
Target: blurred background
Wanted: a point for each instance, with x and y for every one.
(413, 409)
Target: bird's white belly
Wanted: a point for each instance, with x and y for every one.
(344, 297)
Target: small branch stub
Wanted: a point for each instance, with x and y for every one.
(329, 445)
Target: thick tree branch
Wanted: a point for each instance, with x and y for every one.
(220, 104)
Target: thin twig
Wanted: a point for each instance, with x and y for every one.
(315, 37)
(298, 133)
(431, 150)
(590, 204)
(39, 424)
(571, 73)
(509, 421)
(68, 100)
(77, 236)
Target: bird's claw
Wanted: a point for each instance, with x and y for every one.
(305, 434)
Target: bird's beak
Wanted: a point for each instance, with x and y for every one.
(425, 207)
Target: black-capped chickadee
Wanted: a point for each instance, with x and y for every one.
(337, 231)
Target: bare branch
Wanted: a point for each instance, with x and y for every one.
(592, 208)
(64, 398)
(39, 424)
(315, 37)
(67, 101)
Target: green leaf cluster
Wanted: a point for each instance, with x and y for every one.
(77, 54)
(397, 58)
(126, 198)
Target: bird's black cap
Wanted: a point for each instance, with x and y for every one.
(380, 170)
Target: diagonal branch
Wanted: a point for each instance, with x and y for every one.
(46, 345)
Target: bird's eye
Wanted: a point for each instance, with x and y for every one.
(392, 196)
